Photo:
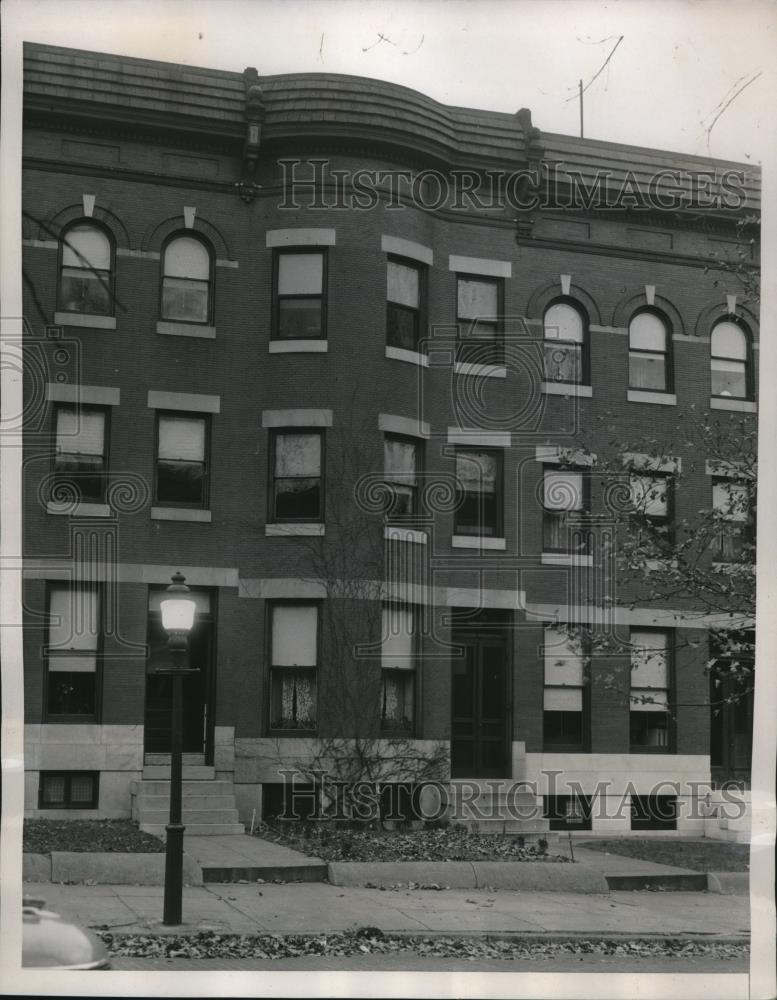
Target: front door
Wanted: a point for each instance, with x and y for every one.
(731, 729)
(195, 687)
(480, 733)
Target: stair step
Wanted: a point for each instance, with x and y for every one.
(196, 786)
(199, 772)
(164, 758)
(539, 827)
(196, 829)
(189, 816)
(191, 801)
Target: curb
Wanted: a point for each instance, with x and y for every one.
(729, 883)
(108, 868)
(314, 872)
(681, 882)
(526, 876)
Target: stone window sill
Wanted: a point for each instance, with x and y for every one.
(84, 319)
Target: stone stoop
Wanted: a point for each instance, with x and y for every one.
(208, 806)
(493, 806)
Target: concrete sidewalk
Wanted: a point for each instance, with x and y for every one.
(300, 908)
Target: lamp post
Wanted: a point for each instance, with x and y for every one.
(177, 619)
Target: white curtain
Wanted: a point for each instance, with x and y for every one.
(402, 284)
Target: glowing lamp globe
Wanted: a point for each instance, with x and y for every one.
(178, 607)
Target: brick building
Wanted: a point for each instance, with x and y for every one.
(251, 303)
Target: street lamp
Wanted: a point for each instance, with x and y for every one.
(178, 609)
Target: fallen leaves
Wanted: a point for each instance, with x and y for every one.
(42, 836)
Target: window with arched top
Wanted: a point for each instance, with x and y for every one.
(730, 365)
(86, 270)
(187, 281)
(565, 331)
(649, 352)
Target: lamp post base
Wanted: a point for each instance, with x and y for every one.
(173, 909)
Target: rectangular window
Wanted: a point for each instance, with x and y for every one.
(568, 812)
(293, 667)
(651, 498)
(398, 660)
(405, 290)
(653, 812)
(300, 295)
(478, 315)
(297, 476)
(182, 460)
(566, 505)
(478, 492)
(732, 510)
(564, 716)
(68, 789)
(401, 466)
(649, 698)
(80, 458)
(72, 652)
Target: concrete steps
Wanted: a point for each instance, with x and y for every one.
(208, 806)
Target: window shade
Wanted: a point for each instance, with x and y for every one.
(294, 636)
(563, 322)
(182, 439)
(657, 700)
(563, 658)
(476, 471)
(403, 285)
(477, 300)
(563, 490)
(397, 648)
(563, 700)
(74, 622)
(647, 333)
(399, 459)
(729, 341)
(650, 495)
(80, 433)
(297, 455)
(731, 499)
(187, 258)
(85, 246)
(649, 660)
(300, 274)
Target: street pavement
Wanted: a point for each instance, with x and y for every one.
(313, 907)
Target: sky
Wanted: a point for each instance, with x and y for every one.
(678, 64)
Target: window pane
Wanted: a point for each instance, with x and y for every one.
(563, 490)
(397, 701)
(403, 284)
(563, 658)
(477, 299)
(399, 457)
(649, 495)
(476, 471)
(298, 455)
(294, 636)
(71, 693)
(293, 699)
(53, 789)
(80, 432)
(86, 247)
(74, 618)
(85, 292)
(728, 378)
(729, 341)
(563, 322)
(561, 728)
(397, 638)
(81, 788)
(299, 319)
(180, 482)
(563, 699)
(184, 299)
(182, 439)
(647, 332)
(647, 371)
(187, 258)
(300, 274)
(649, 659)
(731, 500)
(563, 362)
(402, 327)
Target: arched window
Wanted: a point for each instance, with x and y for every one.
(730, 360)
(186, 281)
(649, 358)
(86, 273)
(566, 343)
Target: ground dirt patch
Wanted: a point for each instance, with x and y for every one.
(696, 855)
(42, 836)
(449, 844)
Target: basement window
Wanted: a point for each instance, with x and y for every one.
(68, 789)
